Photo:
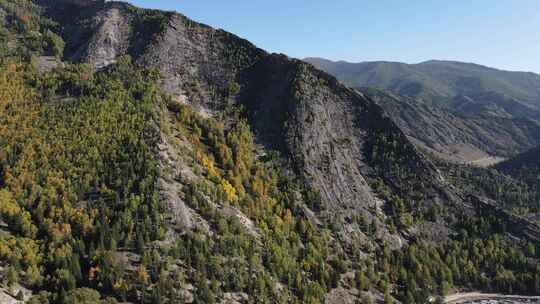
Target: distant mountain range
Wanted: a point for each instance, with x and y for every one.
(442, 80)
(486, 111)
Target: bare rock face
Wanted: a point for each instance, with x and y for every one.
(312, 118)
(181, 214)
(199, 60)
(327, 142)
(2, 16)
(340, 296)
(111, 38)
(235, 298)
(48, 63)
(6, 298)
(9, 295)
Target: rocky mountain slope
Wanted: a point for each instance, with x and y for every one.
(164, 161)
(455, 136)
(216, 70)
(478, 99)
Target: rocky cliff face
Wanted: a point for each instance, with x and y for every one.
(200, 61)
(110, 39)
(315, 124)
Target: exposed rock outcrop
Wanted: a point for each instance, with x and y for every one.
(111, 38)
(312, 118)
(7, 299)
(199, 60)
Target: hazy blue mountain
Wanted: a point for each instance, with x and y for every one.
(445, 83)
(459, 111)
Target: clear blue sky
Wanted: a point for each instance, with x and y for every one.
(500, 33)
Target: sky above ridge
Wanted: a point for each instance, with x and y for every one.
(504, 34)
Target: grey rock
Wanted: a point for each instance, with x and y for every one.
(111, 38)
(48, 63)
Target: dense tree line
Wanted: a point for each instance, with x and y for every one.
(78, 173)
(24, 31)
(293, 252)
(519, 193)
(479, 257)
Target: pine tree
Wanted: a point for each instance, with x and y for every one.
(12, 276)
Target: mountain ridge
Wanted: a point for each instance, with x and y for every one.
(436, 79)
(429, 61)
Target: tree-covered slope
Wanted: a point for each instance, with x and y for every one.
(525, 166)
(167, 162)
(24, 30)
(437, 80)
(530, 159)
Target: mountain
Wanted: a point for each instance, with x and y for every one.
(148, 158)
(438, 81)
(482, 98)
(461, 138)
